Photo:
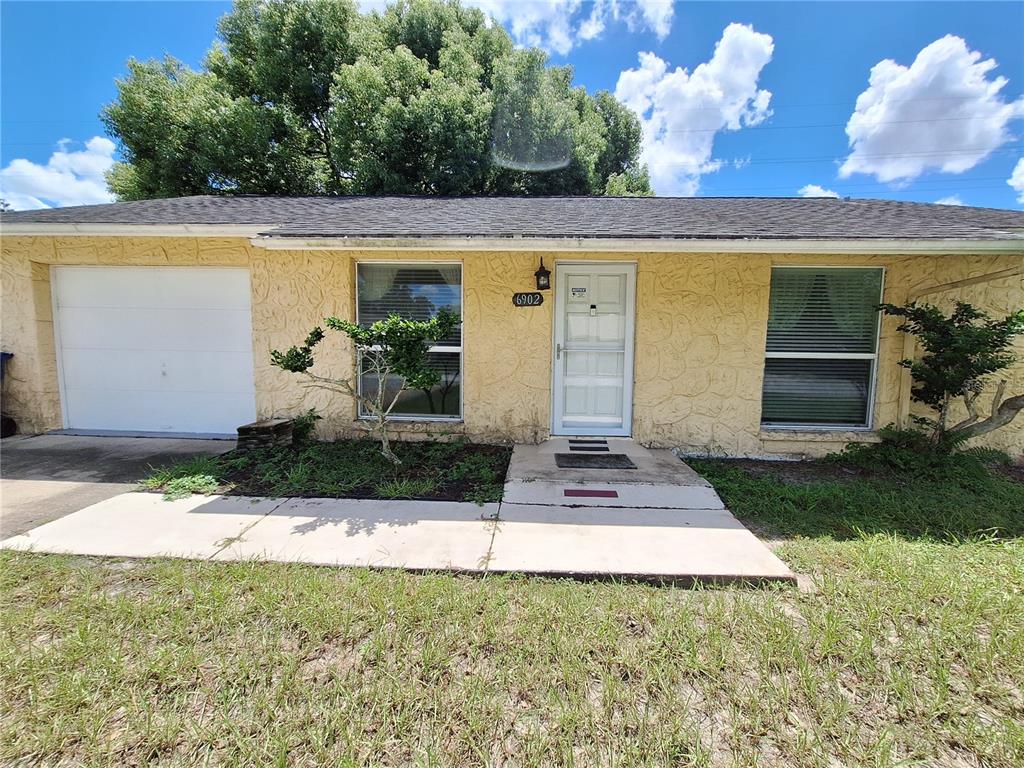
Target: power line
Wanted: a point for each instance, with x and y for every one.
(833, 158)
(842, 191)
(946, 185)
(812, 125)
(687, 109)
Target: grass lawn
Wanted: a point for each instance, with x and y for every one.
(455, 471)
(906, 648)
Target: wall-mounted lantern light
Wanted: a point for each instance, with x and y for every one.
(543, 277)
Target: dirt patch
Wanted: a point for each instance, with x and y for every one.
(334, 658)
(1011, 471)
(800, 472)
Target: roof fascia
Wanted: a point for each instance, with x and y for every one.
(133, 230)
(641, 245)
(556, 244)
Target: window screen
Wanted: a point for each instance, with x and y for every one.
(822, 347)
(416, 291)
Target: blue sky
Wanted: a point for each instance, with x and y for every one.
(735, 98)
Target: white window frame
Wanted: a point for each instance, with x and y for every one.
(436, 348)
(868, 426)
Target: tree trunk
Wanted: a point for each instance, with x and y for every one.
(385, 444)
(1001, 416)
(940, 423)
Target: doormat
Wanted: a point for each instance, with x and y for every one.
(591, 448)
(594, 461)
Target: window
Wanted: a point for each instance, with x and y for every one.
(822, 347)
(416, 291)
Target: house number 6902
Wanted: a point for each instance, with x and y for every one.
(527, 299)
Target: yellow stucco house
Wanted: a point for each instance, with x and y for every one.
(731, 326)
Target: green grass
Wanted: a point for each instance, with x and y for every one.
(885, 503)
(906, 647)
(454, 470)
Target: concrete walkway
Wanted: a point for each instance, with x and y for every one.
(44, 477)
(675, 530)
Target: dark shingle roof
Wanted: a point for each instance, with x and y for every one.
(557, 217)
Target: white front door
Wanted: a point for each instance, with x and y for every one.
(593, 365)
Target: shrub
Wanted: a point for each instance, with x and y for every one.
(961, 352)
(392, 350)
(303, 426)
(912, 452)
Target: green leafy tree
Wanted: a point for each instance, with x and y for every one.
(393, 351)
(961, 352)
(303, 97)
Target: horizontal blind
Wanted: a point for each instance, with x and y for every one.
(816, 392)
(441, 401)
(411, 291)
(821, 310)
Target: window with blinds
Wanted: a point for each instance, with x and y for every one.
(417, 291)
(822, 347)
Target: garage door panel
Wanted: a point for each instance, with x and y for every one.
(194, 370)
(169, 329)
(216, 413)
(153, 288)
(155, 349)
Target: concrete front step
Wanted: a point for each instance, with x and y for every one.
(536, 463)
(597, 494)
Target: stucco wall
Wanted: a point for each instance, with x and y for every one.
(999, 298)
(700, 334)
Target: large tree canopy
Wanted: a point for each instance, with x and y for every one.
(307, 97)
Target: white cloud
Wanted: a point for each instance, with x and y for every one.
(815, 190)
(950, 200)
(559, 26)
(657, 15)
(682, 112)
(70, 177)
(941, 113)
(1016, 180)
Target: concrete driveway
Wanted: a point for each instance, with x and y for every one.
(44, 477)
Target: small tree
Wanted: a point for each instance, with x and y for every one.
(393, 348)
(960, 352)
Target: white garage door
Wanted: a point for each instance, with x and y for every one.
(154, 349)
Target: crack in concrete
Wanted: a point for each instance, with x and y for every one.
(485, 561)
(240, 536)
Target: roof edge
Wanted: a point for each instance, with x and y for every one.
(258, 236)
(639, 245)
(62, 229)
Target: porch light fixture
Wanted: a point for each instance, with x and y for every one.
(543, 277)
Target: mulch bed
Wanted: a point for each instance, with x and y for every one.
(442, 471)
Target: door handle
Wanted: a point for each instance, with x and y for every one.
(558, 351)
